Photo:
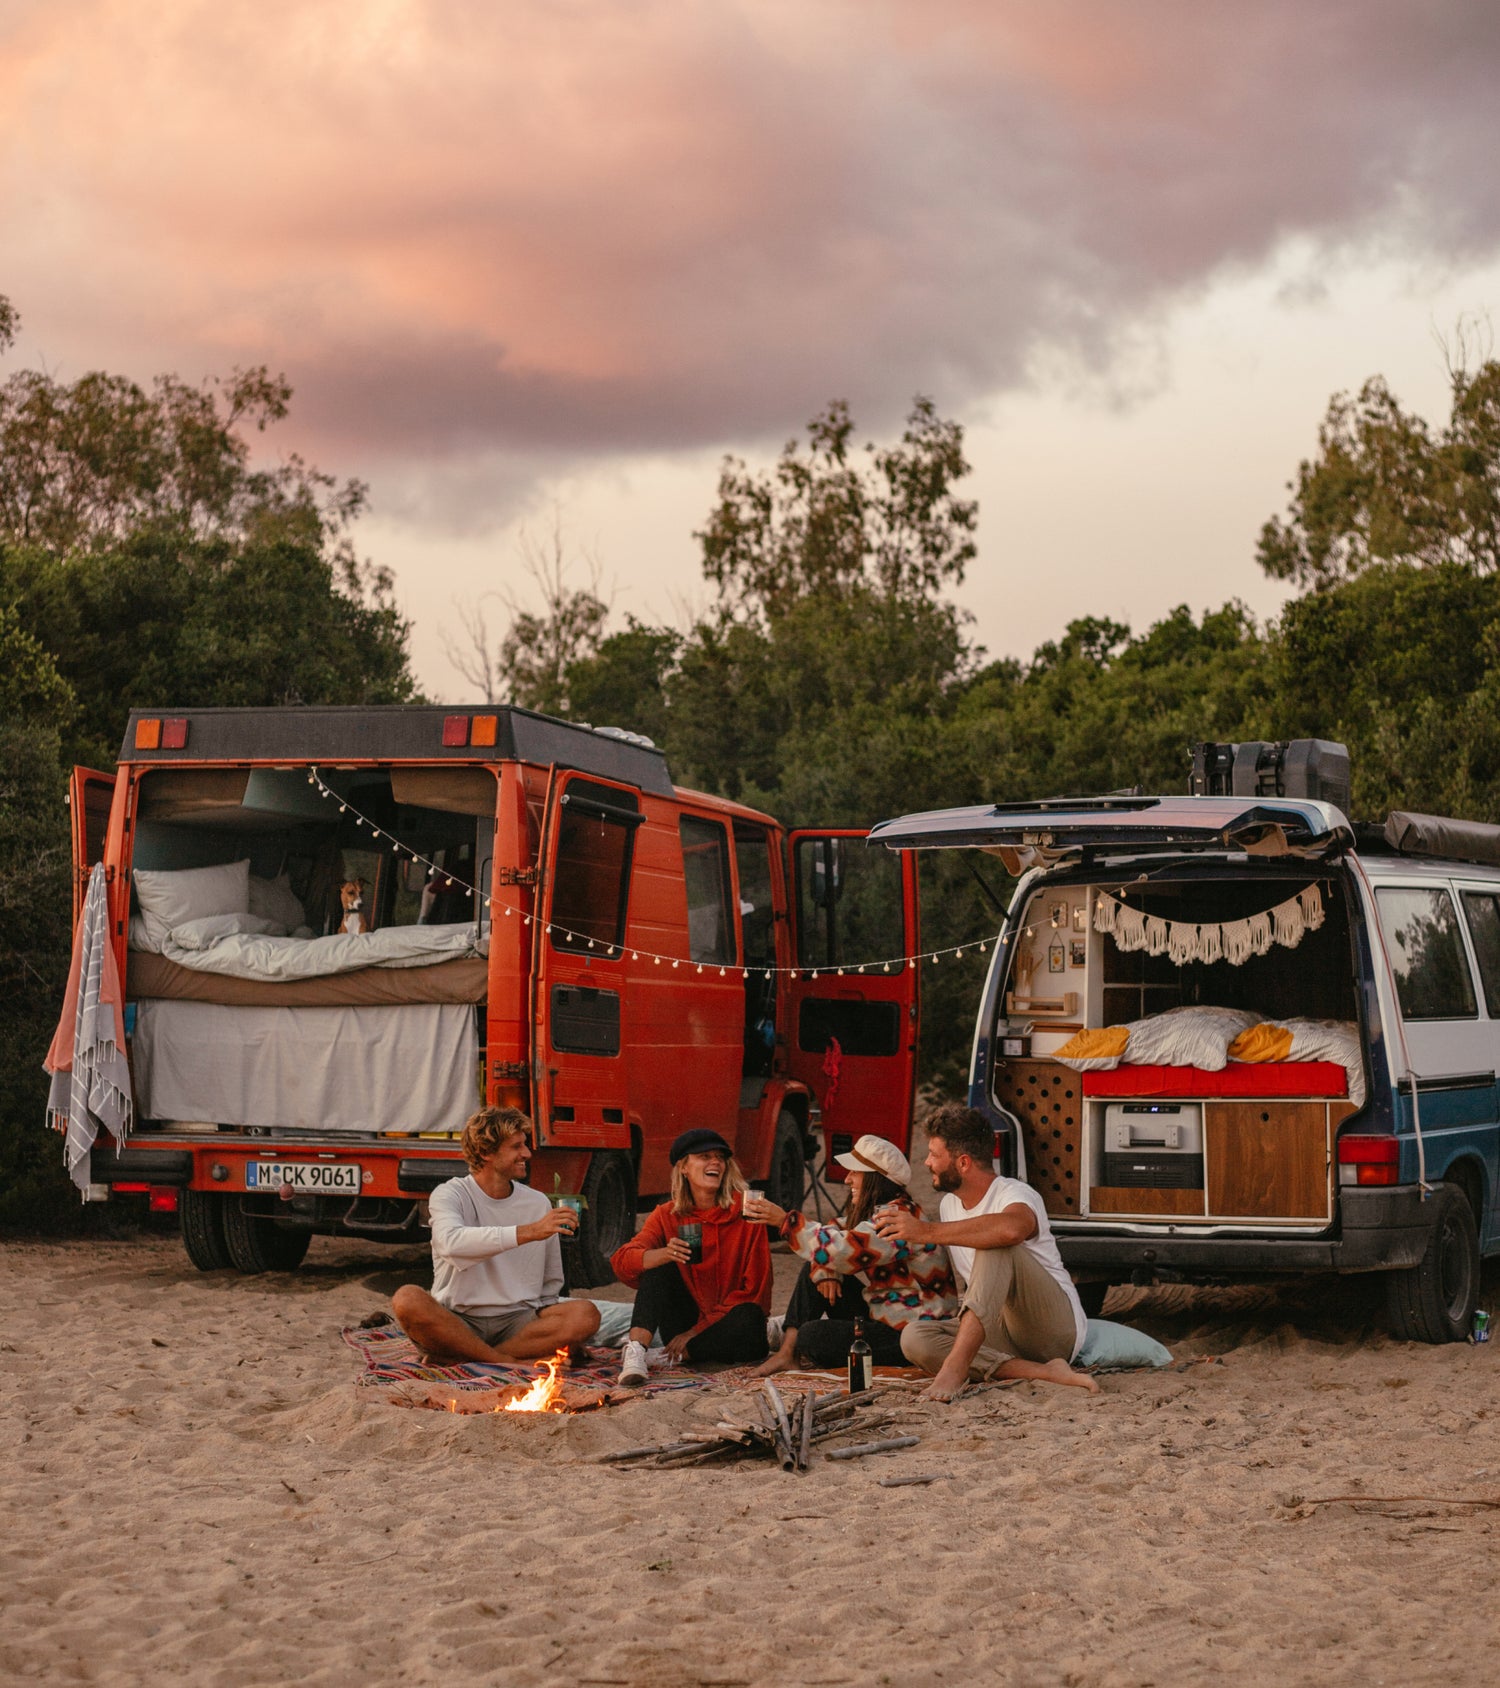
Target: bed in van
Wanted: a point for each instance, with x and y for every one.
(1230, 1036)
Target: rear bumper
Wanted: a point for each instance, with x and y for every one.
(218, 1163)
(1377, 1231)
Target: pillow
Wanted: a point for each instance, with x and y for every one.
(1187, 1037)
(1099, 1048)
(141, 936)
(274, 899)
(1108, 1346)
(1309, 1040)
(172, 899)
(200, 934)
(1266, 1042)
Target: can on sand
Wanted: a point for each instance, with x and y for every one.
(1481, 1330)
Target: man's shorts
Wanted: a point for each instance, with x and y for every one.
(497, 1329)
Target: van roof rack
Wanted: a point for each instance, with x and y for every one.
(1405, 833)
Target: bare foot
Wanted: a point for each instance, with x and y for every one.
(1059, 1371)
(782, 1360)
(946, 1386)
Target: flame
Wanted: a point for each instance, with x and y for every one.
(545, 1395)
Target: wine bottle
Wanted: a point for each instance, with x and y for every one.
(861, 1361)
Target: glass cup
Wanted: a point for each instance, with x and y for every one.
(692, 1235)
(574, 1205)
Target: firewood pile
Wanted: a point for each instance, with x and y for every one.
(777, 1426)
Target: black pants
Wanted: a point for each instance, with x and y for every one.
(826, 1328)
(663, 1302)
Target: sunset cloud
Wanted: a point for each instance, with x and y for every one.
(540, 232)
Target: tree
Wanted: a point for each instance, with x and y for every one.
(1386, 488)
(532, 662)
(822, 522)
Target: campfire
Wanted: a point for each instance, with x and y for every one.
(546, 1394)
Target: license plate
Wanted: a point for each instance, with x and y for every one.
(316, 1176)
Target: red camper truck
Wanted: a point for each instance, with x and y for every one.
(556, 926)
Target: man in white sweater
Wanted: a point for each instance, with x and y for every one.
(496, 1259)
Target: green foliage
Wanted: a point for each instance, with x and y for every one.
(35, 906)
(1385, 488)
(822, 523)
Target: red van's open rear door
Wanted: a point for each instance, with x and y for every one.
(90, 795)
(854, 999)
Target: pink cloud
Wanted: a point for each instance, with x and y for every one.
(582, 226)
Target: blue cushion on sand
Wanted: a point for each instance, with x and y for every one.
(1107, 1344)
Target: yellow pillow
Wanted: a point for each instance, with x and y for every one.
(1098, 1043)
(1262, 1043)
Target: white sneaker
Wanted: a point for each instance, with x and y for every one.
(633, 1368)
(775, 1330)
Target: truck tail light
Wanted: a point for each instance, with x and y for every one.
(1368, 1160)
(163, 1199)
(455, 730)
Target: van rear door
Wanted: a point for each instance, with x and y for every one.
(580, 1006)
(90, 796)
(854, 998)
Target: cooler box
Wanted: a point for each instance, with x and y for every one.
(1153, 1145)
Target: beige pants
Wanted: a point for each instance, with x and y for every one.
(1024, 1310)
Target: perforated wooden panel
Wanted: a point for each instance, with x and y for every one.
(1047, 1098)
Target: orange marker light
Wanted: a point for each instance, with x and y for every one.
(482, 731)
(148, 734)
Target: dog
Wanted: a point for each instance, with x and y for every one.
(352, 896)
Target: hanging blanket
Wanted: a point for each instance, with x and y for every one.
(90, 1087)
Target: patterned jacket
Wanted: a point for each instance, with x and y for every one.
(903, 1281)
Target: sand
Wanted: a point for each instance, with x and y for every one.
(196, 1490)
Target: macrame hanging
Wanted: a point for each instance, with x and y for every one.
(1234, 941)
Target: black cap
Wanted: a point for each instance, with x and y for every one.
(698, 1141)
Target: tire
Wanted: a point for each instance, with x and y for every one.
(1435, 1301)
(200, 1219)
(1092, 1297)
(786, 1177)
(607, 1221)
(258, 1244)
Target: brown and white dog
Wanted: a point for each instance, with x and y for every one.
(352, 896)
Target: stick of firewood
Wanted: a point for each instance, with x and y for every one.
(860, 1449)
(646, 1452)
(783, 1428)
(839, 1404)
(809, 1411)
(902, 1482)
(695, 1453)
(863, 1426)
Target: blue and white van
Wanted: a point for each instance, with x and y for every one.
(1235, 1036)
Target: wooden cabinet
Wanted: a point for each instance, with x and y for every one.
(1266, 1160)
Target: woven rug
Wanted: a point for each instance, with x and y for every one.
(390, 1356)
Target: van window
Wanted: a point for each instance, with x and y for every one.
(752, 857)
(850, 904)
(705, 865)
(591, 882)
(1427, 954)
(1483, 911)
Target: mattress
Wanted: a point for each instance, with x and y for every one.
(353, 1068)
(1239, 1078)
(465, 980)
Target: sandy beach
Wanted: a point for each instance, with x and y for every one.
(197, 1490)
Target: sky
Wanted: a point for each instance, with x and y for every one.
(543, 264)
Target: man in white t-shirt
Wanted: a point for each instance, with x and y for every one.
(1021, 1315)
(496, 1259)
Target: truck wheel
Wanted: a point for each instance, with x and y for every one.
(607, 1221)
(1434, 1301)
(258, 1244)
(786, 1179)
(200, 1218)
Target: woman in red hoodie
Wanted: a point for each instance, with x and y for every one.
(713, 1308)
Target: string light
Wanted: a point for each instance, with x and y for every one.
(612, 951)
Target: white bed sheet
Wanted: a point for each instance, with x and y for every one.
(254, 955)
(408, 1068)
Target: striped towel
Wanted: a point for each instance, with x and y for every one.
(90, 1087)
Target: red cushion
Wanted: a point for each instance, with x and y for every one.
(1239, 1078)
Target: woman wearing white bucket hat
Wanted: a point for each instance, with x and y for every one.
(852, 1272)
